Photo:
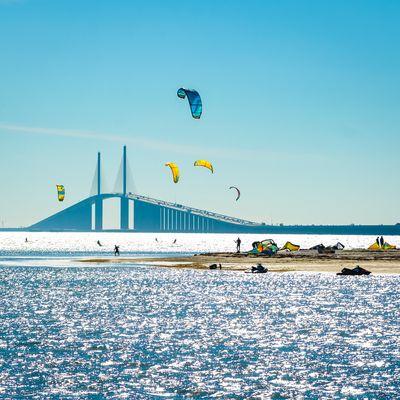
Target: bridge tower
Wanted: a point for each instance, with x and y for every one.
(124, 210)
(98, 224)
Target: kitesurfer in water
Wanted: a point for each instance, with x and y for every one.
(116, 250)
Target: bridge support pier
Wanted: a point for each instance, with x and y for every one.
(124, 215)
(98, 214)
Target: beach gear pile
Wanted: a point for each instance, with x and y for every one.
(259, 269)
(322, 249)
(377, 247)
(267, 246)
(354, 271)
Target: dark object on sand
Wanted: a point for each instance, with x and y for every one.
(326, 250)
(215, 266)
(259, 269)
(317, 247)
(329, 249)
(355, 271)
(338, 246)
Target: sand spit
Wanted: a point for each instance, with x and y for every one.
(302, 261)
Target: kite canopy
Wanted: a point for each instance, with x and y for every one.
(290, 246)
(60, 192)
(194, 100)
(174, 170)
(205, 164)
(386, 246)
(238, 192)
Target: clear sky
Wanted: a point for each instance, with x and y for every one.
(300, 105)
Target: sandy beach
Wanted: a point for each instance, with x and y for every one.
(300, 261)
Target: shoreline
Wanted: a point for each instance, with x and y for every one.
(382, 262)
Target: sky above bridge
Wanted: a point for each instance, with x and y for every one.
(300, 105)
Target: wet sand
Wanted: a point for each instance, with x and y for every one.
(284, 261)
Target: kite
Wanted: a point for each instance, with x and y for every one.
(205, 164)
(174, 170)
(194, 100)
(60, 192)
(290, 246)
(238, 192)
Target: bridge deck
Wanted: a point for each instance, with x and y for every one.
(203, 213)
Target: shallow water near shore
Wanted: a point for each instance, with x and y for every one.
(65, 244)
(142, 332)
(135, 331)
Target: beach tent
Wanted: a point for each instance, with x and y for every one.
(290, 246)
(267, 246)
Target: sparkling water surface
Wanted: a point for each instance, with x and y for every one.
(140, 332)
(60, 243)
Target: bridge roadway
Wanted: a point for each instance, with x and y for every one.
(203, 213)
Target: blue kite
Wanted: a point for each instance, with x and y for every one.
(194, 99)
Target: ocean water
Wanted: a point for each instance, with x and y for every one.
(77, 244)
(141, 332)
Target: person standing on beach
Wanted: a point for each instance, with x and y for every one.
(238, 243)
(116, 250)
(382, 241)
(377, 241)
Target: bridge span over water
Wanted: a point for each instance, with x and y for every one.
(145, 214)
(149, 215)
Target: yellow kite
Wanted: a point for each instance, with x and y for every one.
(205, 164)
(174, 170)
(60, 192)
(290, 246)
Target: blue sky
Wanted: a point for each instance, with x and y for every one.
(301, 105)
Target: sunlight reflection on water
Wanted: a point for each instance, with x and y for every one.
(144, 332)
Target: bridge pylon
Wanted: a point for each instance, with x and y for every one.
(124, 210)
(98, 205)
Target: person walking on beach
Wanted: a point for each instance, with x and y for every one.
(116, 250)
(382, 241)
(238, 243)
